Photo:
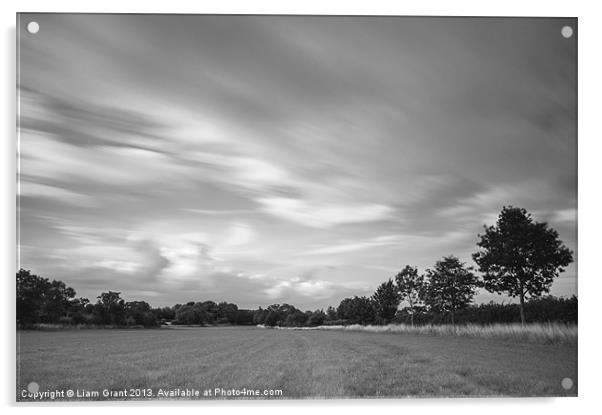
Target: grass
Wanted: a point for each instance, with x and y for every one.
(301, 363)
(547, 333)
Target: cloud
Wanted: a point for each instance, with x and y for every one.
(376, 242)
(54, 193)
(566, 215)
(79, 122)
(46, 158)
(321, 215)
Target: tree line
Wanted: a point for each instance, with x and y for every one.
(516, 256)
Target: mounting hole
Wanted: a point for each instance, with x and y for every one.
(567, 383)
(33, 387)
(33, 27)
(567, 32)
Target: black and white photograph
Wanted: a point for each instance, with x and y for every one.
(286, 207)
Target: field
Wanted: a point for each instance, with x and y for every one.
(300, 363)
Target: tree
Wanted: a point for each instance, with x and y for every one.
(520, 257)
(192, 313)
(450, 286)
(41, 300)
(111, 308)
(211, 309)
(297, 319)
(316, 318)
(271, 319)
(140, 313)
(358, 310)
(30, 296)
(226, 312)
(57, 301)
(331, 313)
(410, 286)
(386, 300)
(244, 317)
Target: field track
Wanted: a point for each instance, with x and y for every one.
(303, 364)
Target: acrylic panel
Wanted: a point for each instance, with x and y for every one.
(285, 207)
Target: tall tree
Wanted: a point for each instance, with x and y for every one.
(451, 286)
(520, 257)
(386, 300)
(410, 286)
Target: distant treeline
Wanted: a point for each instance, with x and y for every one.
(517, 256)
(40, 300)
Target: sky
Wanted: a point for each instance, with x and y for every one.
(285, 159)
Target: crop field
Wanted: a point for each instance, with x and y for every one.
(299, 363)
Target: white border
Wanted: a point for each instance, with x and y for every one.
(590, 95)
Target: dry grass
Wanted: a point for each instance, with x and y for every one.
(547, 333)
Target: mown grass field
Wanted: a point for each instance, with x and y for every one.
(303, 363)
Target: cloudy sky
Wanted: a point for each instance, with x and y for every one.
(264, 160)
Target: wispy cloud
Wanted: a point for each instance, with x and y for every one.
(375, 242)
(322, 215)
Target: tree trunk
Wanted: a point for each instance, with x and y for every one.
(412, 318)
(453, 318)
(522, 308)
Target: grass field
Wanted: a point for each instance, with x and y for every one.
(303, 363)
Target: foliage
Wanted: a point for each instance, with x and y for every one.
(259, 316)
(192, 313)
(538, 310)
(410, 286)
(244, 317)
(111, 308)
(331, 313)
(42, 303)
(385, 300)
(317, 318)
(450, 286)
(358, 310)
(271, 318)
(40, 300)
(227, 312)
(296, 319)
